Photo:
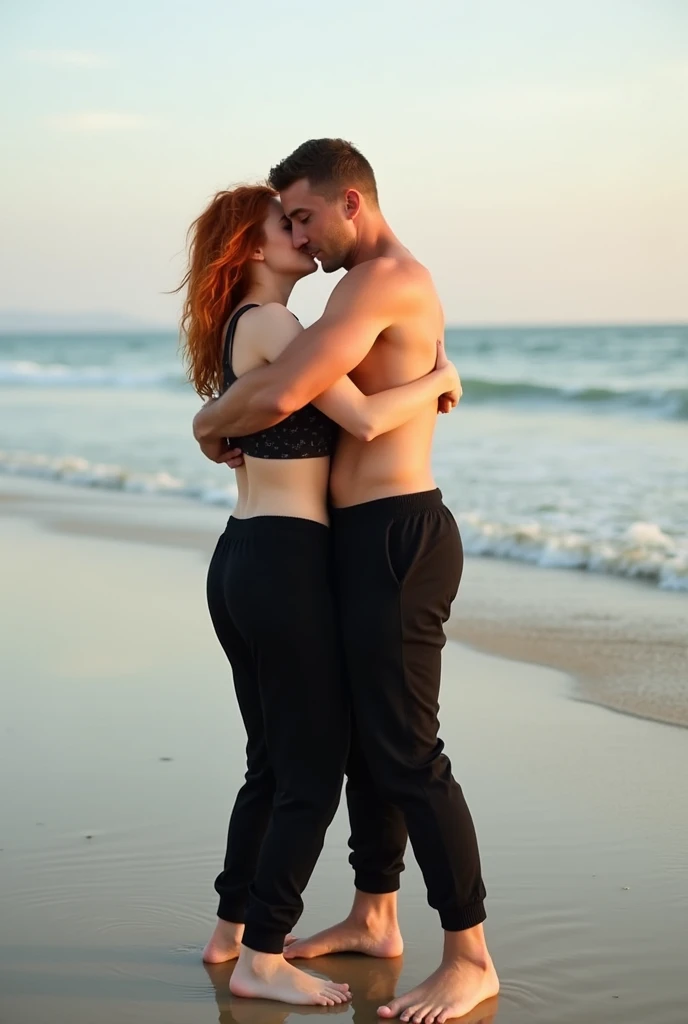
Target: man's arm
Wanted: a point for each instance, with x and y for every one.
(361, 306)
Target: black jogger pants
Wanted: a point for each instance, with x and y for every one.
(398, 563)
(271, 603)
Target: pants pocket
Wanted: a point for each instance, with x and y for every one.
(402, 543)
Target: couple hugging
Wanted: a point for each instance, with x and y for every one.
(330, 586)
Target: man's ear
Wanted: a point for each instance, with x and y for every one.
(352, 203)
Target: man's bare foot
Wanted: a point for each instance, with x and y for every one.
(224, 944)
(269, 976)
(371, 928)
(465, 978)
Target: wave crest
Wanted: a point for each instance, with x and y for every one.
(643, 551)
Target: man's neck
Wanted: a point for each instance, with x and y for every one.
(375, 239)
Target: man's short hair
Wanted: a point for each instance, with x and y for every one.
(331, 165)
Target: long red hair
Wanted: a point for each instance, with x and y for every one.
(221, 242)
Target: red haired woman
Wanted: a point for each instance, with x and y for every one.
(268, 588)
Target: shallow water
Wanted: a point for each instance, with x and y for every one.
(568, 447)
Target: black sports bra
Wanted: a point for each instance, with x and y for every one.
(306, 434)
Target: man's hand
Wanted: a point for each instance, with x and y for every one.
(219, 451)
(450, 398)
(234, 458)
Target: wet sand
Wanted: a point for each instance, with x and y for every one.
(625, 643)
(122, 750)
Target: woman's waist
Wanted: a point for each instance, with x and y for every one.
(293, 488)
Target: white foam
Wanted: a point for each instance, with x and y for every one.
(642, 551)
(25, 373)
(218, 496)
(72, 469)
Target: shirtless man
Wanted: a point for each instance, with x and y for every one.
(398, 563)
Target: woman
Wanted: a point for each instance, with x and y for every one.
(268, 588)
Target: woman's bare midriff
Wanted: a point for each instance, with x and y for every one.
(283, 487)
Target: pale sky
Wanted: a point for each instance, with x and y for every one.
(532, 153)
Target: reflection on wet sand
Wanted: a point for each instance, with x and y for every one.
(373, 982)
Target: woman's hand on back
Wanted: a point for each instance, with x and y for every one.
(450, 380)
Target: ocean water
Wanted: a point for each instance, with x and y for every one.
(569, 447)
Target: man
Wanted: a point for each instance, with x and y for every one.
(398, 563)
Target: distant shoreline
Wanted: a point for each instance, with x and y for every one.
(134, 327)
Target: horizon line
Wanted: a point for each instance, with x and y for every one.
(152, 327)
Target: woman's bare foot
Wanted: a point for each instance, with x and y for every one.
(224, 944)
(269, 976)
(371, 928)
(465, 978)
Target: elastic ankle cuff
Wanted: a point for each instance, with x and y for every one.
(263, 940)
(375, 885)
(465, 918)
(230, 910)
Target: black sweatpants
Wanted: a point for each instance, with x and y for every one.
(398, 563)
(271, 602)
